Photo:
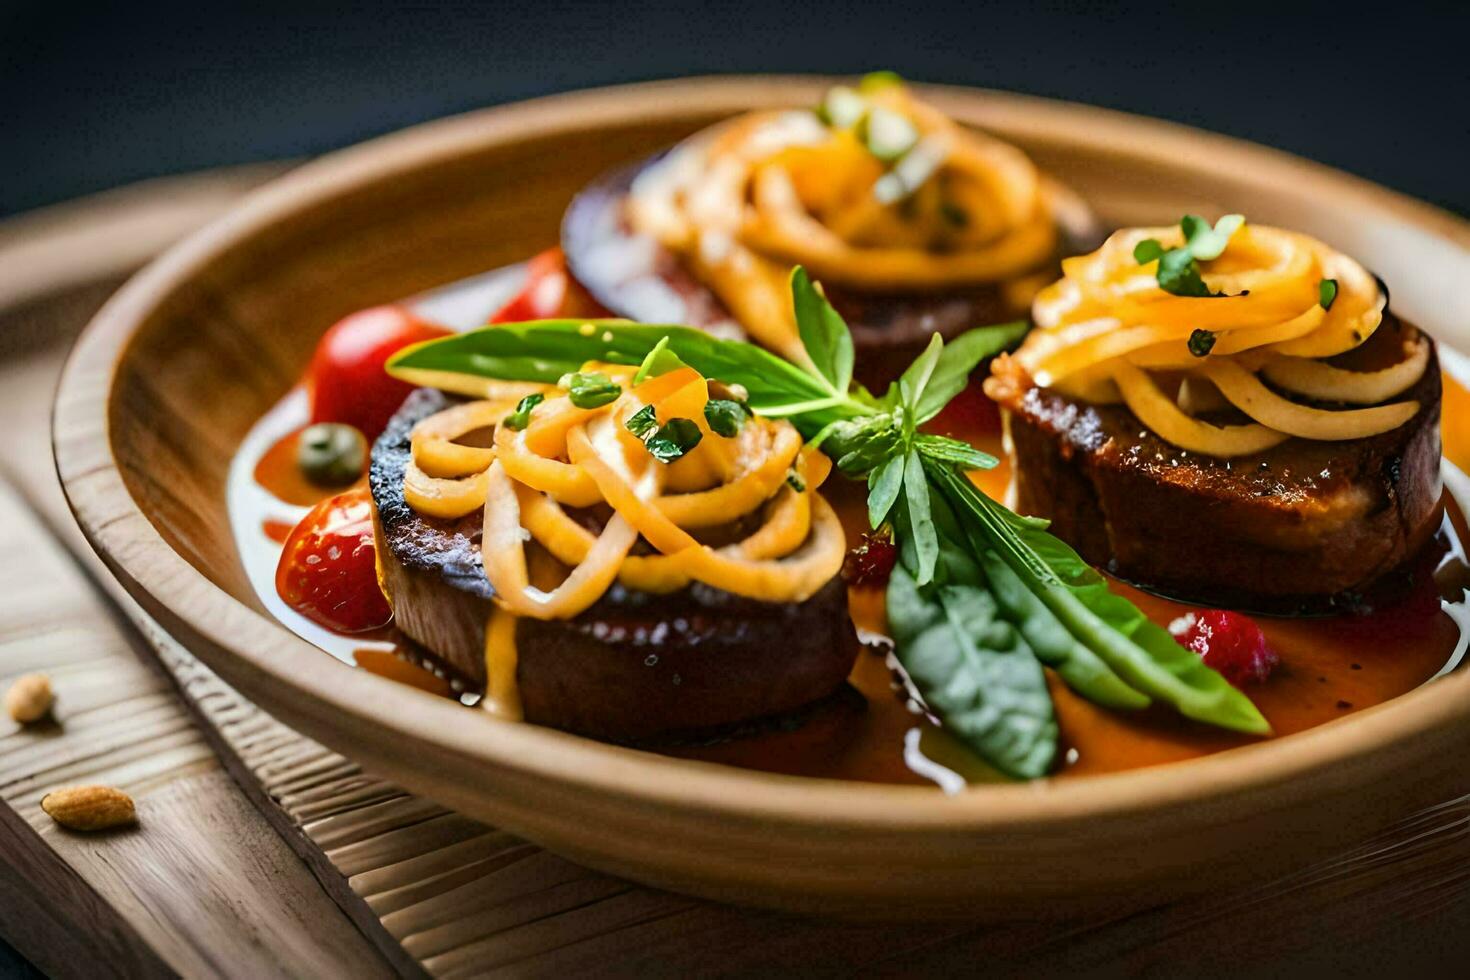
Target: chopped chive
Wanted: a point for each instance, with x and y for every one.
(1201, 342)
(672, 440)
(1327, 293)
(521, 417)
(592, 390)
(724, 416)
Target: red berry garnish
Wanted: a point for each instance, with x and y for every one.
(1229, 642)
(871, 562)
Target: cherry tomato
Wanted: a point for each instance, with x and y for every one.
(549, 292)
(328, 570)
(346, 378)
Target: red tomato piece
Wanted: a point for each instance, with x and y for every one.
(346, 379)
(328, 569)
(549, 292)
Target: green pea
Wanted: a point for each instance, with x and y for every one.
(331, 454)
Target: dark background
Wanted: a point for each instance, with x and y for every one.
(92, 96)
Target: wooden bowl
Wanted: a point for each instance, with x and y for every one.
(173, 371)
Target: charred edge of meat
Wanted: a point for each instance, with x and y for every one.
(635, 666)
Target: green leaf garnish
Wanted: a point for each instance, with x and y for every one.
(946, 450)
(1140, 652)
(1147, 250)
(724, 416)
(660, 361)
(642, 423)
(591, 390)
(1179, 272)
(1201, 342)
(1327, 293)
(972, 667)
(958, 359)
(982, 598)
(672, 440)
(826, 338)
(521, 417)
(795, 482)
(885, 483)
(920, 518)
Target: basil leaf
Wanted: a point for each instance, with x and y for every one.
(545, 350)
(672, 440)
(1327, 293)
(642, 423)
(974, 672)
(521, 417)
(959, 358)
(725, 417)
(1143, 654)
(660, 361)
(885, 482)
(920, 518)
(823, 333)
(592, 390)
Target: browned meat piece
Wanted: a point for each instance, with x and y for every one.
(635, 666)
(636, 278)
(1287, 529)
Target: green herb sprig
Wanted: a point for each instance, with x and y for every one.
(521, 417)
(981, 599)
(1179, 272)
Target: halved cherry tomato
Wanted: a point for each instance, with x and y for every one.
(346, 378)
(328, 570)
(549, 292)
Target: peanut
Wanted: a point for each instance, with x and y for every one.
(89, 807)
(29, 698)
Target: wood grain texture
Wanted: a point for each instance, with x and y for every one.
(202, 886)
(180, 363)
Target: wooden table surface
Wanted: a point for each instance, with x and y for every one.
(260, 853)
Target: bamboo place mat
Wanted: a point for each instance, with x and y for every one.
(383, 882)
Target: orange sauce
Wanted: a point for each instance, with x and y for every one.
(278, 473)
(874, 731)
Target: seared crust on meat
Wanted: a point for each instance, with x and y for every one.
(1283, 530)
(635, 666)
